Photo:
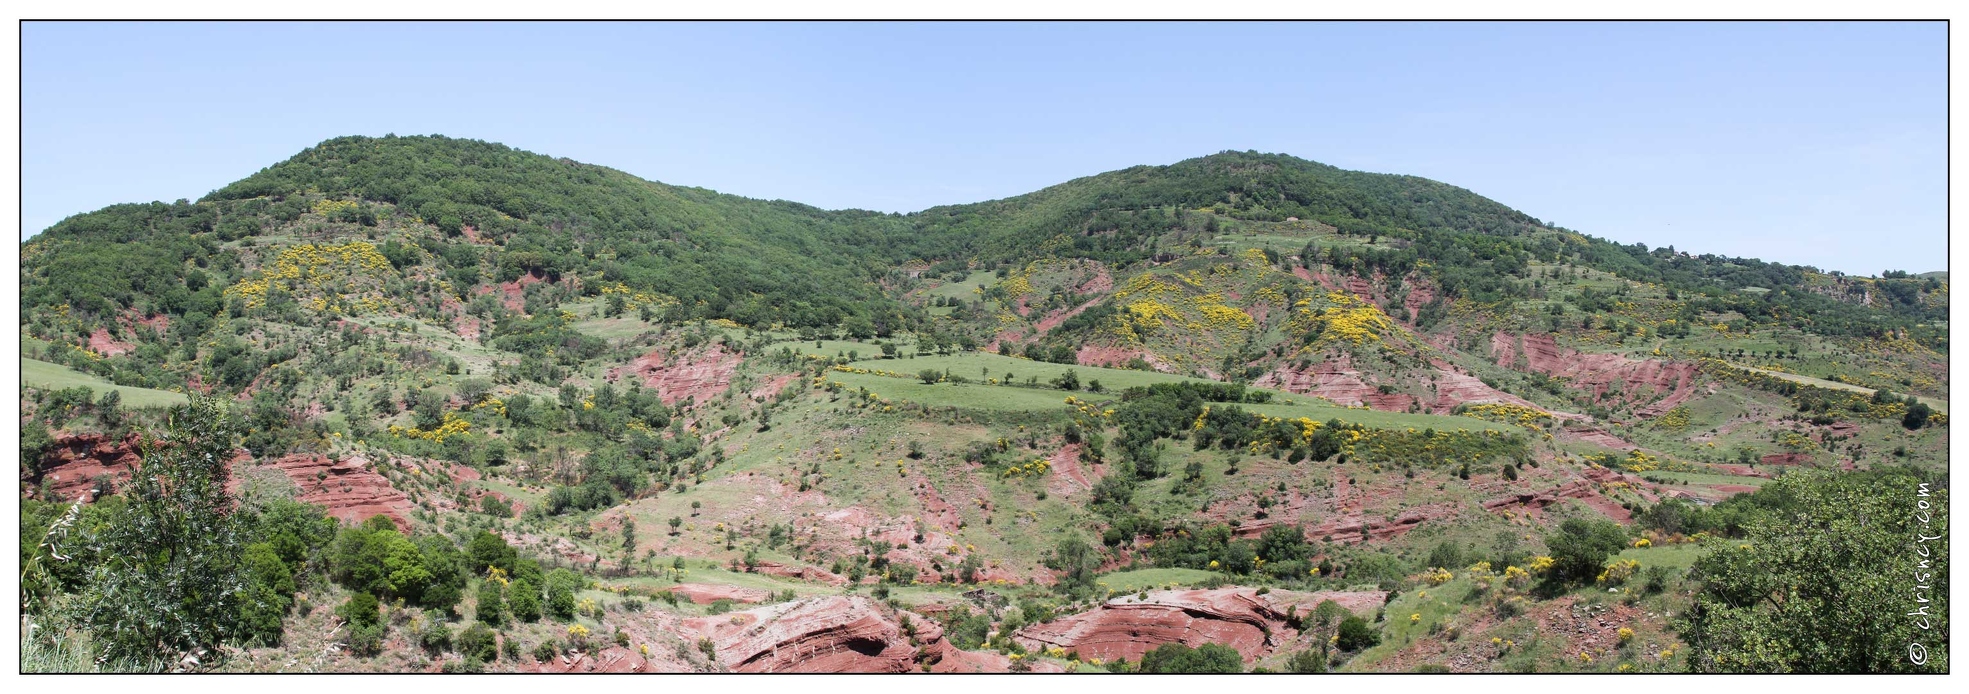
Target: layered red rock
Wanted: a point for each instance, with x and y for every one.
(804, 573)
(349, 488)
(1639, 380)
(1127, 627)
(76, 461)
(1335, 381)
(815, 635)
(1454, 388)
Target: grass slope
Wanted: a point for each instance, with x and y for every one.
(41, 374)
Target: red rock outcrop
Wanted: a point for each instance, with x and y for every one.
(1348, 529)
(1336, 381)
(1586, 490)
(351, 490)
(1455, 388)
(1127, 627)
(825, 634)
(1786, 459)
(71, 467)
(1639, 380)
(804, 573)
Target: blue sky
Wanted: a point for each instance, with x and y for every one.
(1810, 143)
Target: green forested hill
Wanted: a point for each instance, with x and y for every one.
(764, 262)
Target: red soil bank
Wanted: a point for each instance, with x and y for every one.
(71, 466)
(1127, 627)
(1786, 459)
(350, 489)
(699, 375)
(1580, 432)
(1586, 490)
(101, 343)
(1058, 316)
(1096, 355)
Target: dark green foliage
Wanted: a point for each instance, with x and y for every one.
(428, 571)
(562, 584)
(1176, 658)
(488, 550)
(523, 600)
(1581, 548)
(478, 641)
(435, 638)
(1850, 577)
(1917, 416)
(1356, 634)
(171, 579)
(360, 609)
(491, 606)
(1078, 560)
(1307, 662)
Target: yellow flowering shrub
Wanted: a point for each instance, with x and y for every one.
(453, 425)
(1618, 572)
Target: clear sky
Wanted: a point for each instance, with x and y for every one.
(1811, 143)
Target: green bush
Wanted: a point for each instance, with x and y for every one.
(436, 638)
(546, 651)
(1356, 634)
(1172, 658)
(480, 642)
(366, 640)
(523, 600)
(361, 609)
(561, 586)
(1581, 548)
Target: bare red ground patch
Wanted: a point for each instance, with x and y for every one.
(102, 343)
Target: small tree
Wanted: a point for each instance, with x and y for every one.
(675, 523)
(1356, 634)
(929, 376)
(171, 581)
(491, 607)
(1581, 547)
(523, 600)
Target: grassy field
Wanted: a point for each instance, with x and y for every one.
(1315, 409)
(41, 374)
(1672, 556)
(974, 365)
(1154, 579)
(965, 289)
(972, 396)
(1941, 405)
(977, 365)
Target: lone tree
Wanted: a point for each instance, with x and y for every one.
(1848, 574)
(171, 579)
